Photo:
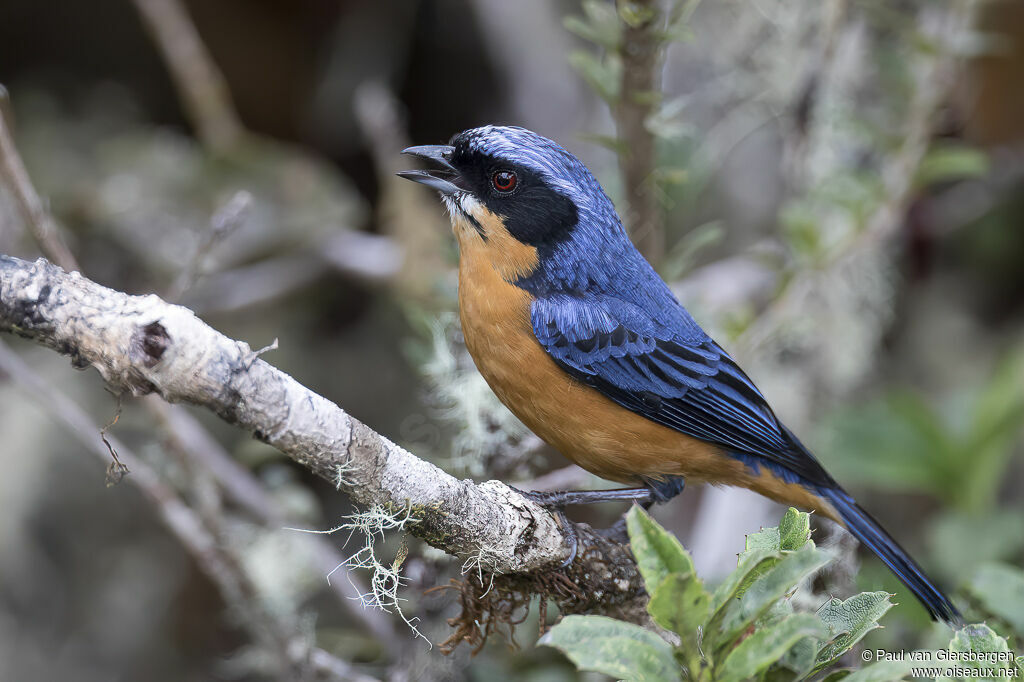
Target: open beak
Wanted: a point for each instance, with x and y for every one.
(442, 179)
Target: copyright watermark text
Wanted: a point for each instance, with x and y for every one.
(943, 663)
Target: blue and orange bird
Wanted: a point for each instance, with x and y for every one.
(583, 341)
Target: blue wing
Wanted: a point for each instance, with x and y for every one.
(669, 372)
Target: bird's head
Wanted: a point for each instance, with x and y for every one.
(517, 195)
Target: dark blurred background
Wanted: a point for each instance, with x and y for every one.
(841, 188)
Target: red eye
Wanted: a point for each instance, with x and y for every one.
(504, 180)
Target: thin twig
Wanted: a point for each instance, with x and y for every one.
(403, 212)
(201, 86)
(42, 225)
(116, 470)
(195, 442)
(182, 522)
(224, 221)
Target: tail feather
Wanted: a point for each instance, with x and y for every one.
(869, 532)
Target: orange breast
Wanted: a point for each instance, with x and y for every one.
(591, 430)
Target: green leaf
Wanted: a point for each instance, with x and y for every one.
(771, 586)
(680, 604)
(667, 119)
(800, 659)
(607, 141)
(951, 162)
(848, 621)
(837, 675)
(1000, 589)
(635, 14)
(766, 539)
(767, 645)
(751, 563)
(602, 75)
(981, 639)
(600, 24)
(683, 256)
(622, 650)
(994, 429)
(794, 530)
(658, 552)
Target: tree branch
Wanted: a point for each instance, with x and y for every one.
(187, 431)
(142, 345)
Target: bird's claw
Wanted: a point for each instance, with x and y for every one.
(571, 537)
(555, 502)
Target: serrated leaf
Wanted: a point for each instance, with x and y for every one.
(980, 638)
(1000, 589)
(794, 529)
(766, 539)
(609, 646)
(848, 621)
(658, 553)
(792, 533)
(771, 586)
(680, 604)
(767, 645)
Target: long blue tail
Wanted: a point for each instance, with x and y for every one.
(868, 531)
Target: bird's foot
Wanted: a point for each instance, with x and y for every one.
(556, 501)
(571, 537)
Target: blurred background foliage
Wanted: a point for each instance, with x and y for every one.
(835, 189)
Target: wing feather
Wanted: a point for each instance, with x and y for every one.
(686, 382)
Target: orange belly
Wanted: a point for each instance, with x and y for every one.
(588, 428)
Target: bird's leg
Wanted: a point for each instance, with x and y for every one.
(556, 501)
(659, 491)
(654, 491)
(563, 498)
